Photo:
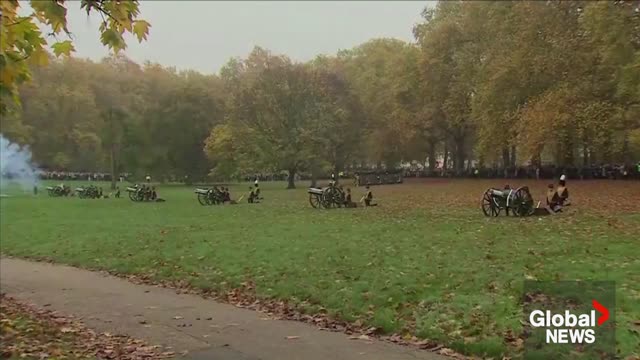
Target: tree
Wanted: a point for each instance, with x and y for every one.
(451, 58)
(22, 43)
(272, 104)
(370, 69)
(339, 119)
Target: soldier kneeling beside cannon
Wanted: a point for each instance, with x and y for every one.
(215, 196)
(334, 196)
(520, 202)
(138, 193)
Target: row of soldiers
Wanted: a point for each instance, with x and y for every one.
(346, 196)
(367, 198)
(222, 193)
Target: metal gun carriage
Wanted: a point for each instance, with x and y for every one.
(331, 196)
(139, 193)
(209, 196)
(88, 192)
(519, 202)
(58, 190)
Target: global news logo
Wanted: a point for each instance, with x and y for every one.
(570, 328)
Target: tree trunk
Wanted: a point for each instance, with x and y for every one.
(112, 163)
(626, 156)
(445, 159)
(291, 179)
(112, 153)
(314, 179)
(585, 156)
(432, 157)
(513, 156)
(506, 160)
(505, 157)
(458, 159)
(568, 154)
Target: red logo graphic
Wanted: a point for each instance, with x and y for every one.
(601, 309)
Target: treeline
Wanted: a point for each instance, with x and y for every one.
(485, 84)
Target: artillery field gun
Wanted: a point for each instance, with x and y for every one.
(209, 196)
(139, 193)
(329, 197)
(58, 190)
(88, 192)
(518, 201)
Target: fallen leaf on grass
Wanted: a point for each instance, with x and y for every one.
(292, 337)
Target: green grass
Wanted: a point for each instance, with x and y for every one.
(425, 262)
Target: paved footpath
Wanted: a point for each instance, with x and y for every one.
(204, 328)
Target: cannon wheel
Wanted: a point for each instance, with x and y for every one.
(328, 198)
(488, 204)
(203, 199)
(132, 195)
(316, 201)
(521, 202)
(338, 196)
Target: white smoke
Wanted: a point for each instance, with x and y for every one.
(16, 166)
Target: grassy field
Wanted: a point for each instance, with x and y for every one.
(425, 262)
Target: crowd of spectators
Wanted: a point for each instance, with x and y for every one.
(603, 171)
(88, 176)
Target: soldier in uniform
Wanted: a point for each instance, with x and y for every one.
(559, 197)
(368, 197)
(347, 201)
(252, 195)
(226, 196)
(257, 191)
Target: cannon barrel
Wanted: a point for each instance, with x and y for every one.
(132, 189)
(315, 191)
(201, 191)
(496, 192)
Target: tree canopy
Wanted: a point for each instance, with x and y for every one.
(484, 84)
(22, 43)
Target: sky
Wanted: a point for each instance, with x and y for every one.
(204, 35)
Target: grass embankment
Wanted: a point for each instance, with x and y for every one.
(425, 262)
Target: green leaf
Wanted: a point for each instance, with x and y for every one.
(141, 29)
(63, 48)
(52, 13)
(112, 39)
